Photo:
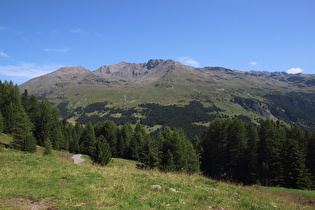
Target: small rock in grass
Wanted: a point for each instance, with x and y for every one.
(173, 190)
(156, 186)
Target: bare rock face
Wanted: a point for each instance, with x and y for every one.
(122, 70)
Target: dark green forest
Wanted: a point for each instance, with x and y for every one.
(230, 149)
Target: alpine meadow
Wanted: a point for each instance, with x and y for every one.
(158, 134)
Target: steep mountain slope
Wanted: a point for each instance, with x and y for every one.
(126, 91)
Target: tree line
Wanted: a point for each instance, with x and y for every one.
(233, 150)
(32, 122)
(271, 154)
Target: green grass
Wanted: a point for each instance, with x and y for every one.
(121, 186)
(5, 140)
(299, 194)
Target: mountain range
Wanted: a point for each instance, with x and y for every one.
(166, 92)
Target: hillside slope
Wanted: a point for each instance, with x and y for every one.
(34, 181)
(125, 91)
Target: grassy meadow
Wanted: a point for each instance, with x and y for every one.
(35, 181)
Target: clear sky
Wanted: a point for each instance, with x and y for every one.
(39, 36)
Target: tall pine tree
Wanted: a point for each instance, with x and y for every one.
(102, 153)
(88, 140)
(272, 138)
(294, 159)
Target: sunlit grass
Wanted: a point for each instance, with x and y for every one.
(120, 185)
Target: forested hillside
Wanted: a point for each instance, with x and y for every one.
(168, 93)
(230, 149)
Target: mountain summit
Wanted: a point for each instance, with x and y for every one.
(130, 86)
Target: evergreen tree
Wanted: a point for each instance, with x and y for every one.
(168, 162)
(125, 134)
(88, 140)
(147, 153)
(33, 110)
(214, 143)
(44, 123)
(56, 132)
(294, 159)
(132, 152)
(196, 142)
(66, 138)
(136, 143)
(251, 156)
(109, 130)
(29, 144)
(310, 161)
(76, 134)
(14, 118)
(176, 153)
(48, 147)
(272, 138)
(102, 154)
(25, 100)
(236, 146)
(21, 128)
(192, 160)
(1, 123)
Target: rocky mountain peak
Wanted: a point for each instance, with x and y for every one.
(72, 69)
(153, 63)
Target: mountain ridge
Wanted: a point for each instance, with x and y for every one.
(127, 87)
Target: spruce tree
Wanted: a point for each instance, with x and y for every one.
(294, 159)
(48, 147)
(272, 138)
(21, 128)
(1, 123)
(76, 137)
(147, 153)
(136, 143)
(168, 162)
(236, 146)
(192, 160)
(125, 134)
(196, 142)
(251, 156)
(33, 110)
(29, 144)
(175, 152)
(310, 160)
(56, 132)
(102, 153)
(214, 143)
(132, 152)
(88, 140)
(109, 130)
(25, 100)
(44, 123)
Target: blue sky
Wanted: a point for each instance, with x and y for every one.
(39, 36)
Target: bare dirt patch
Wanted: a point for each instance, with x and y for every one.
(291, 196)
(309, 202)
(28, 203)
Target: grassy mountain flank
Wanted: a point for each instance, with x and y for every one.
(36, 181)
(126, 91)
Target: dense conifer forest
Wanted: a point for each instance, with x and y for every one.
(230, 149)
